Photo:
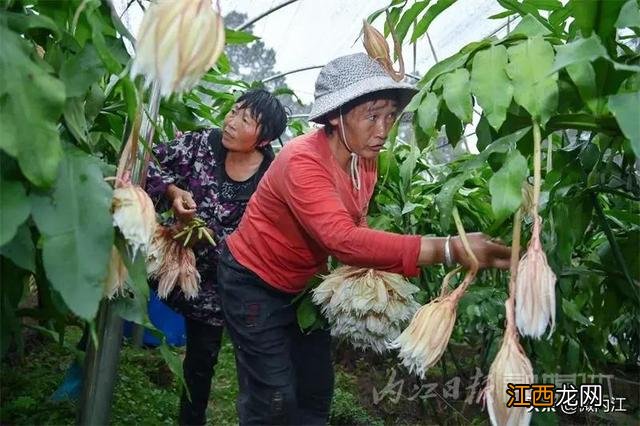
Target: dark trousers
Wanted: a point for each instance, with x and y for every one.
(203, 345)
(284, 376)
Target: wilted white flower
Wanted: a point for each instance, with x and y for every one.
(178, 42)
(426, 338)
(134, 215)
(511, 365)
(172, 264)
(366, 306)
(117, 274)
(535, 289)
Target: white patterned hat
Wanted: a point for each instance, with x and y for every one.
(349, 77)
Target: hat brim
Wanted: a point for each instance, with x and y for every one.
(332, 101)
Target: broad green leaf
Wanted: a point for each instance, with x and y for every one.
(238, 37)
(530, 27)
(22, 22)
(585, 13)
(31, 102)
(625, 107)
(408, 18)
(444, 199)
(491, 85)
(77, 232)
(505, 185)
(432, 13)
(535, 87)
(415, 101)
(452, 125)
(81, 70)
(20, 250)
(453, 62)
(580, 50)
(457, 94)
(584, 77)
(14, 209)
(629, 15)
(407, 167)
(428, 113)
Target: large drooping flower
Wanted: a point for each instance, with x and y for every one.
(134, 215)
(178, 42)
(365, 306)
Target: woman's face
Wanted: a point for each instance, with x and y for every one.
(240, 131)
(367, 125)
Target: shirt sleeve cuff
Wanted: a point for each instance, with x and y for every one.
(410, 258)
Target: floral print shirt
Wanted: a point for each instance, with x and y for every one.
(195, 162)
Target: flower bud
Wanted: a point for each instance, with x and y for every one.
(178, 42)
(134, 215)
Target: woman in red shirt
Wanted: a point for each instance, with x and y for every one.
(312, 203)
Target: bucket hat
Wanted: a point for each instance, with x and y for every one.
(348, 77)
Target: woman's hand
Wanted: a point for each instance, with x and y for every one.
(490, 253)
(182, 203)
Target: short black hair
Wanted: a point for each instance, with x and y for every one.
(267, 110)
(346, 108)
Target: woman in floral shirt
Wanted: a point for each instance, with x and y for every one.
(212, 174)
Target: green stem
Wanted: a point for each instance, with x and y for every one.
(536, 166)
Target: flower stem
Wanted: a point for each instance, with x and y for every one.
(465, 241)
(537, 139)
(513, 269)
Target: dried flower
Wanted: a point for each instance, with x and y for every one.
(535, 289)
(117, 274)
(134, 215)
(424, 341)
(377, 48)
(177, 43)
(366, 306)
(171, 263)
(511, 365)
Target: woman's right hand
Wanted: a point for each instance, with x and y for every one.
(182, 203)
(489, 253)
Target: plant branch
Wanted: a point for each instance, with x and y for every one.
(262, 15)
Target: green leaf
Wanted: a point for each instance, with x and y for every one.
(432, 13)
(22, 22)
(584, 77)
(535, 87)
(571, 310)
(452, 125)
(444, 199)
(428, 113)
(20, 249)
(505, 185)
(306, 312)
(14, 209)
(238, 37)
(629, 15)
(31, 102)
(415, 101)
(625, 107)
(408, 18)
(457, 94)
(77, 232)
(579, 50)
(75, 120)
(81, 71)
(453, 62)
(530, 27)
(545, 4)
(491, 85)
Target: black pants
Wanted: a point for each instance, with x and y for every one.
(284, 376)
(203, 345)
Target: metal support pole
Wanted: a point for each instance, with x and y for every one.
(100, 369)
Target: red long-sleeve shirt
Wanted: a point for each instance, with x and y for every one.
(306, 209)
